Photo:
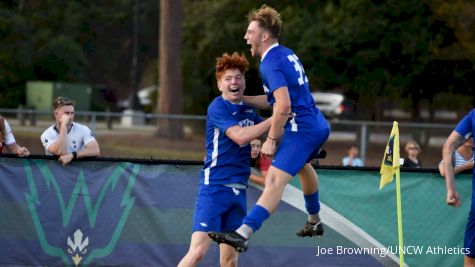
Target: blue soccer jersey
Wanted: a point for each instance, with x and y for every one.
(280, 67)
(465, 128)
(227, 162)
(466, 125)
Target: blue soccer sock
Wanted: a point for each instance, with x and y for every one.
(312, 204)
(256, 216)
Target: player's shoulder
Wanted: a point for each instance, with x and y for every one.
(217, 103)
(276, 56)
(472, 113)
(280, 51)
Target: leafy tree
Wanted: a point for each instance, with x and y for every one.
(61, 59)
(15, 57)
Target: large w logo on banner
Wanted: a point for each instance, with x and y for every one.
(62, 228)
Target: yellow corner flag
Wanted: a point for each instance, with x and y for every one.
(389, 168)
(390, 162)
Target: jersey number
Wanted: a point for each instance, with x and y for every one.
(298, 68)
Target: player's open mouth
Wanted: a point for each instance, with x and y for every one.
(234, 90)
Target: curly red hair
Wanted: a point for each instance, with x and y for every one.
(234, 61)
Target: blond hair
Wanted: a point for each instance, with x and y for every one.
(414, 143)
(62, 101)
(267, 18)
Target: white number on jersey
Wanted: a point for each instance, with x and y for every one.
(266, 90)
(302, 78)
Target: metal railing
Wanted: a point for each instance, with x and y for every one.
(360, 131)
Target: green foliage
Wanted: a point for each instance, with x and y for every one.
(74, 41)
(408, 52)
(61, 59)
(15, 58)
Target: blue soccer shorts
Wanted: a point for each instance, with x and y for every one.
(219, 208)
(298, 148)
(469, 240)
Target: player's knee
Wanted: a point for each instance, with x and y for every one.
(230, 261)
(197, 254)
(274, 183)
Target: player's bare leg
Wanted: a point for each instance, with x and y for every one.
(309, 180)
(199, 245)
(228, 256)
(268, 202)
(276, 181)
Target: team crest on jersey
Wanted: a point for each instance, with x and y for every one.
(249, 110)
(245, 123)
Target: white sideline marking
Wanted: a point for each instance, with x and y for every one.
(293, 196)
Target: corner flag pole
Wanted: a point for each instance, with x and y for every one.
(390, 166)
(399, 218)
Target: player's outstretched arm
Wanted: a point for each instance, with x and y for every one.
(453, 142)
(243, 135)
(258, 101)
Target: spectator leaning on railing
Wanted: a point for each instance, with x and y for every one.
(7, 140)
(462, 158)
(353, 157)
(67, 139)
(412, 155)
(259, 163)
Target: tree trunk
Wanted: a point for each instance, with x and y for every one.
(170, 93)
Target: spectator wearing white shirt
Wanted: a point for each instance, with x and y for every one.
(7, 140)
(462, 158)
(67, 139)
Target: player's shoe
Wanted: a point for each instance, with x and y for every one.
(231, 238)
(311, 229)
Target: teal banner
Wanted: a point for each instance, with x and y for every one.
(433, 231)
(108, 213)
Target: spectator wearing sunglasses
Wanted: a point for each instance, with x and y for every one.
(412, 155)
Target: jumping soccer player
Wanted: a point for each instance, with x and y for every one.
(462, 132)
(298, 124)
(230, 126)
